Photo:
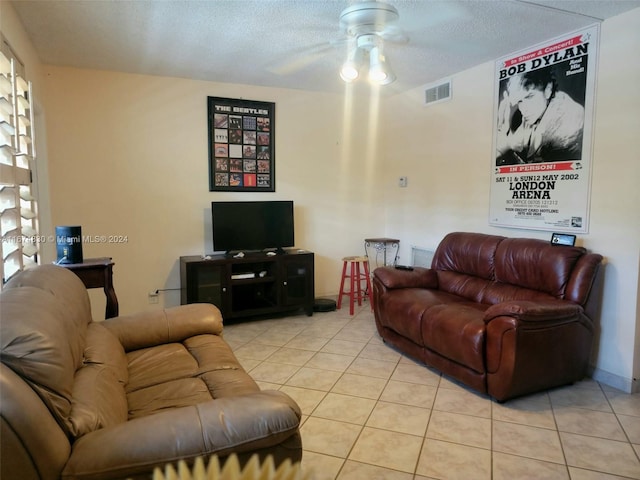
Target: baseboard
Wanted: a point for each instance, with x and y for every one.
(627, 385)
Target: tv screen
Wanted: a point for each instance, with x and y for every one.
(261, 225)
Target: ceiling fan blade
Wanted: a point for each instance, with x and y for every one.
(393, 33)
(301, 59)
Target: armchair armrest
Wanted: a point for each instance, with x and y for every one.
(534, 311)
(222, 426)
(147, 329)
(419, 277)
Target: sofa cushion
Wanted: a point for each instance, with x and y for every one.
(103, 348)
(159, 364)
(536, 264)
(172, 394)
(463, 285)
(469, 253)
(98, 397)
(229, 383)
(211, 352)
(501, 292)
(98, 400)
(442, 322)
(457, 331)
(197, 370)
(410, 305)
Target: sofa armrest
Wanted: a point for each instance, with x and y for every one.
(222, 426)
(419, 277)
(150, 328)
(535, 345)
(534, 311)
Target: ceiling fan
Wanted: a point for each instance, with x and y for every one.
(372, 18)
(366, 27)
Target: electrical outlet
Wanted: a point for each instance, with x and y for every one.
(402, 182)
(153, 297)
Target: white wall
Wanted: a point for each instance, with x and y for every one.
(446, 151)
(615, 198)
(129, 156)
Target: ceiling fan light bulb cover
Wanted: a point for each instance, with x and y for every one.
(351, 67)
(349, 72)
(389, 78)
(381, 74)
(377, 75)
(379, 70)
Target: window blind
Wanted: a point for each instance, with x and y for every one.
(18, 206)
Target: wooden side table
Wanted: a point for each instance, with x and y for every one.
(98, 273)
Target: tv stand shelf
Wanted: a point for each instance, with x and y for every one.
(254, 285)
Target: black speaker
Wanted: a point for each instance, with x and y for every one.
(69, 244)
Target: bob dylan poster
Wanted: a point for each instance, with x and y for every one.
(543, 115)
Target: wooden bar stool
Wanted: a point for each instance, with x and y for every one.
(355, 276)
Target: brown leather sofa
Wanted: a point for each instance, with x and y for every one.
(114, 399)
(505, 316)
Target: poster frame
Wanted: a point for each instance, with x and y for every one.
(562, 203)
(241, 145)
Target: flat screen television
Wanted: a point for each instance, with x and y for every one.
(257, 225)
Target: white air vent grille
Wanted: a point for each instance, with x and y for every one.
(421, 257)
(438, 93)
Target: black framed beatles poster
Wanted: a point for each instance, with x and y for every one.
(241, 145)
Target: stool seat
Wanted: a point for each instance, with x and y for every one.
(355, 259)
(356, 277)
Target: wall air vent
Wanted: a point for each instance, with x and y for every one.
(421, 257)
(439, 92)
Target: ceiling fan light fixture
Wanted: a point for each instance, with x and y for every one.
(377, 75)
(351, 68)
(379, 71)
(368, 23)
(349, 72)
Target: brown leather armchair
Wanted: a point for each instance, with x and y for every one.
(115, 399)
(505, 316)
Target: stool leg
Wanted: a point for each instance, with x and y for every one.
(352, 292)
(359, 283)
(341, 292)
(369, 291)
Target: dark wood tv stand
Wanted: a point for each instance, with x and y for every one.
(254, 285)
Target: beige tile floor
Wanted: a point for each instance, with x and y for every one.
(371, 413)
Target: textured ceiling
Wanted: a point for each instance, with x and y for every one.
(291, 43)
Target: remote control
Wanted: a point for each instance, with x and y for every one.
(404, 267)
